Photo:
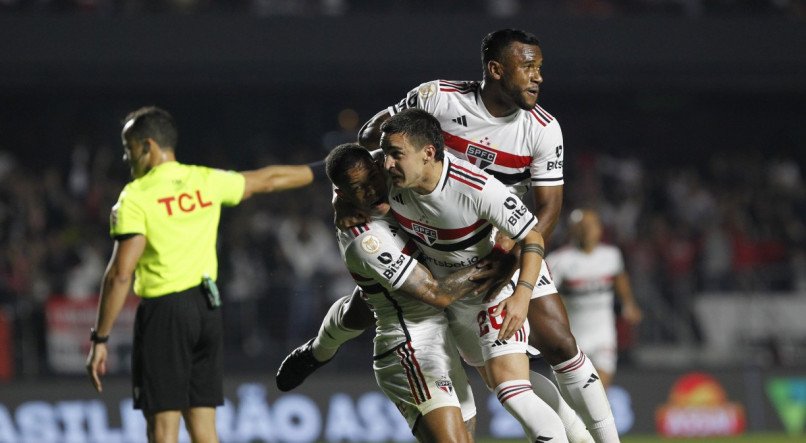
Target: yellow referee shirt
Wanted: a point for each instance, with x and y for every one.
(177, 208)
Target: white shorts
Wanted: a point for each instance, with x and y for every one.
(425, 374)
(544, 284)
(476, 331)
(595, 333)
(603, 354)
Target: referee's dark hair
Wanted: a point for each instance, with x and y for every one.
(343, 158)
(420, 127)
(494, 44)
(153, 122)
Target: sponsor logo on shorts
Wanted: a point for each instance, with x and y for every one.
(445, 385)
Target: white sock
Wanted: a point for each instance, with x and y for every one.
(538, 420)
(332, 334)
(547, 391)
(580, 386)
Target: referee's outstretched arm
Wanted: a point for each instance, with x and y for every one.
(277, 178)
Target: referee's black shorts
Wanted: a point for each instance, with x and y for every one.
(177, 360)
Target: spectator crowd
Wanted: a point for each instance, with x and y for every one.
(733, 222)
(794, 9)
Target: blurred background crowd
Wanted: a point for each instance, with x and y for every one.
(498, 8)
(702, 189)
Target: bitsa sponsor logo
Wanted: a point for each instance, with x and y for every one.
(697, 407)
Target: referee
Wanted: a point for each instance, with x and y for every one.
(165, 226)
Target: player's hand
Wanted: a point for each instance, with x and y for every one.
(347, 215)
(482, 274)
(96, 364)
(499, 268)
(504, 242)
(513, 309)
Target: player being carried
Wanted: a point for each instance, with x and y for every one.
(415, 357)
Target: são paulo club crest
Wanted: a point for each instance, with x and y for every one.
(479, 156)
(445, 385)
(428, 235)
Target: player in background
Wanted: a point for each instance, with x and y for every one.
(590, 275)
(415, 358)
(497, 125)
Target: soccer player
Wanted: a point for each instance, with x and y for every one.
(590, 274)
(497, 125)
(450, 208)
(415, 358)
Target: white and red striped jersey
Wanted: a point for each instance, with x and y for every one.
(380, 257)
(586, 281)
(522, 149)
(453, 224)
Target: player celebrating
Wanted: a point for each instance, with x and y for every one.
(415, 359)
(449, 207)
(498, 125)
(590, 275)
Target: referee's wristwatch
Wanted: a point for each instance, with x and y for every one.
(95, 338)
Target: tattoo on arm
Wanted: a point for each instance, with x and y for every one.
(421, 285)
(532, 247)
(526, 285)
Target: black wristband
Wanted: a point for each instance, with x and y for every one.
(95, 338)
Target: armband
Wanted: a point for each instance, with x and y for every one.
(318, 169)
(532, 247)
(95, 338)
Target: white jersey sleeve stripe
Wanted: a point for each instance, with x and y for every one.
(532, 221)
(543, 113)
(538, 118)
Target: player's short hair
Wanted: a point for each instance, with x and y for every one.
(153, 122)
(494, 44)
(343, 158)
(420, 127)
